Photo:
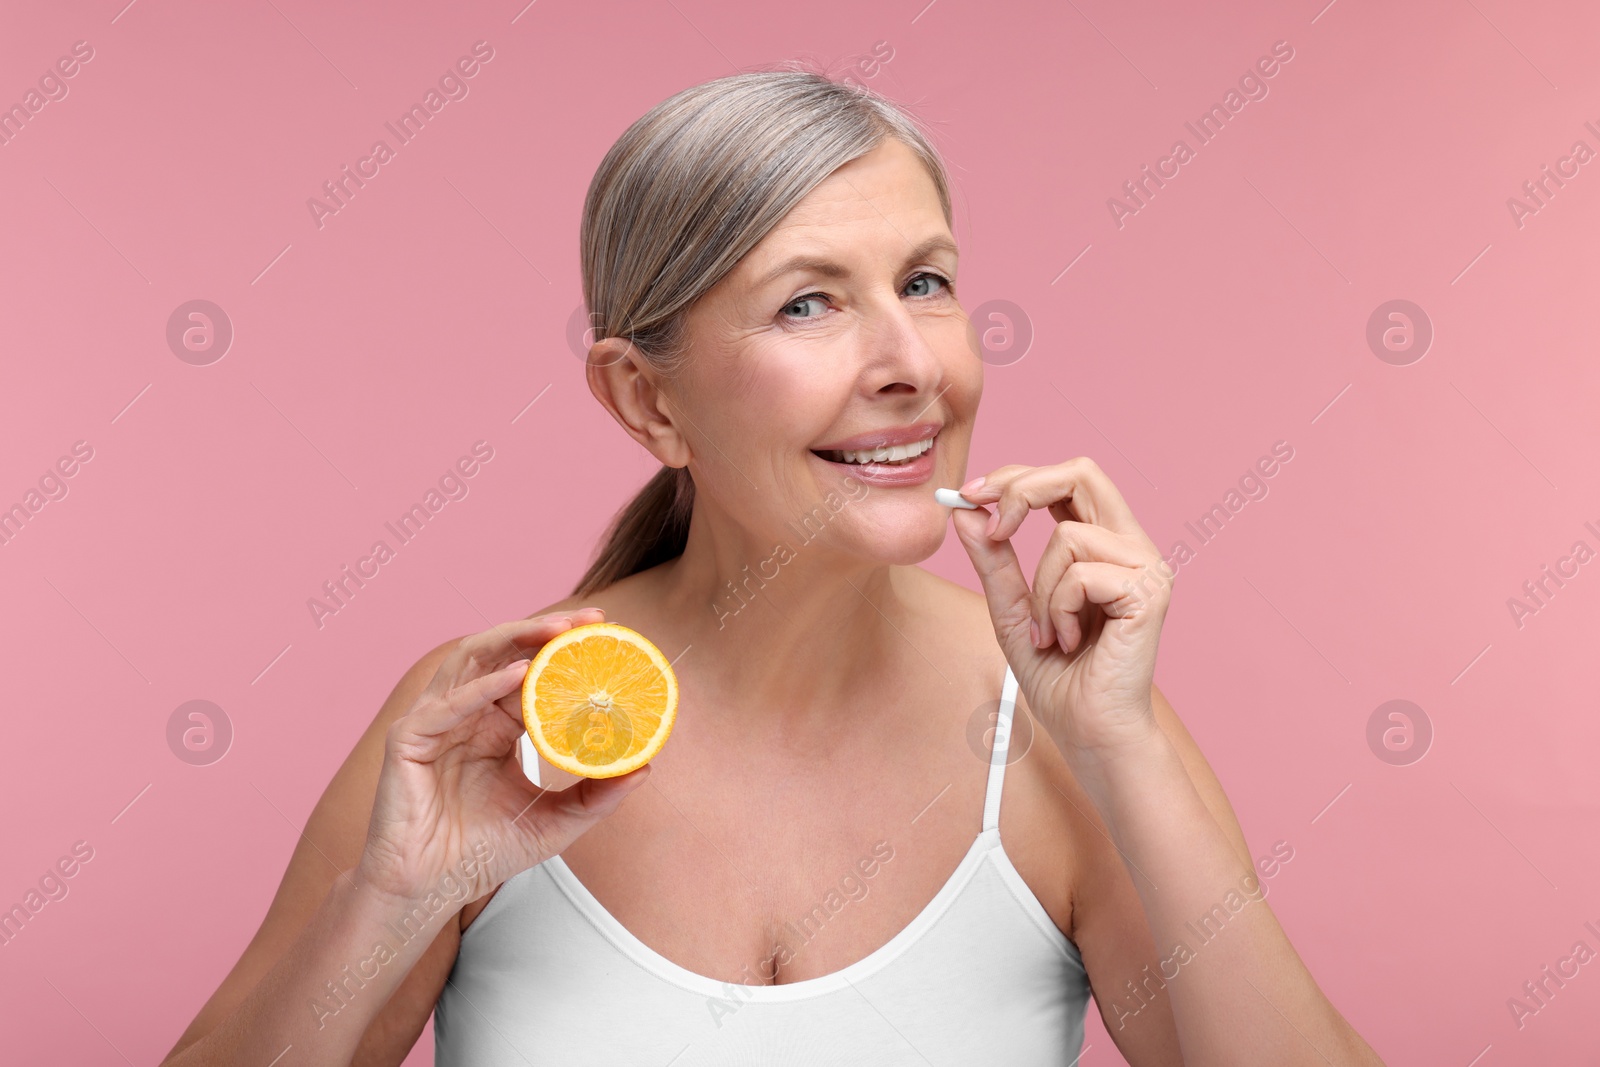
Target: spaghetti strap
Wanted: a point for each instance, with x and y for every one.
(997, 753)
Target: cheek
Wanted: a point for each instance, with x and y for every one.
(960, 349)
(971, 374)
(763, 437)
(794, 398)
(964, 374)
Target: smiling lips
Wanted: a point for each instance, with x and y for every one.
(899, 456)
(882, 454)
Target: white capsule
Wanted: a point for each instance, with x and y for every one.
(952, 498)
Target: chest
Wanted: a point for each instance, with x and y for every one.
(776, 878)
(766, 900)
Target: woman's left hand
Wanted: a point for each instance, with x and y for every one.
(1099, 596)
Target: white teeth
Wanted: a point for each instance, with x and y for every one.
(887, 454)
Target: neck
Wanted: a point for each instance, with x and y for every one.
(797, 628)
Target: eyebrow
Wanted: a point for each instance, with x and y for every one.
(830, 269)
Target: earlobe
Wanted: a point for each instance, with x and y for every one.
(627, 387)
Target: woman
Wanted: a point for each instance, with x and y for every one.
(815, 872)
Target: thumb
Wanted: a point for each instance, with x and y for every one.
(557, 819)
(1004, 587)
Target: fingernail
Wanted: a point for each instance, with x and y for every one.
(1033, 626)
(975, 483)
(994, 524)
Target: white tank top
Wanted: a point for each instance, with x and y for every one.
(545, 975)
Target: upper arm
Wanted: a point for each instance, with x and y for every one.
(1109, 923)
(334, 836)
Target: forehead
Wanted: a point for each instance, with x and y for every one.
(886, 193)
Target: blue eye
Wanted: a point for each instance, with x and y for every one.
(921, 277)
(802, 301)
(928, 276)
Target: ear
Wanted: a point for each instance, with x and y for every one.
(630, 389)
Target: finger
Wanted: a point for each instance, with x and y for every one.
(1076, 542)
(998, 475)
(1076, 489)
(436, 716)
(511, 704)
(478, 653)
(1112, 589)
(503, 643)
(1004, 588)
(558, 818)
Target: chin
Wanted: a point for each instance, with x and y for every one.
(900, 540)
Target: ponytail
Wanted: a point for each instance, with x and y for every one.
(651, 529)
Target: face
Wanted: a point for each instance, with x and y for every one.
(836, 337)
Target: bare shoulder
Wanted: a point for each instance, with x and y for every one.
(959, 613)
(623, 597)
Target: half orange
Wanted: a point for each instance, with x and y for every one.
(599, 700)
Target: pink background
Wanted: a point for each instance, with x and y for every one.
(1228, 314)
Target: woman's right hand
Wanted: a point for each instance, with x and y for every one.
(451, 789)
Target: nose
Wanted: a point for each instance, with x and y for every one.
(897, 356)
